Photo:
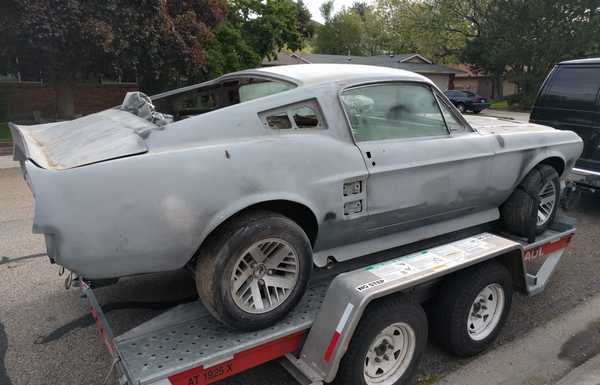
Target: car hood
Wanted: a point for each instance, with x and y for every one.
(490, 125)
(93, 138)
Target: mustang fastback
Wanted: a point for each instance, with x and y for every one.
(253, 178)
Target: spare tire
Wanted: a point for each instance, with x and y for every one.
(534, 202)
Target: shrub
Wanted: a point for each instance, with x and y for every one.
(520, 102)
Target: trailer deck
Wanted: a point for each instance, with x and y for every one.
(186, 345)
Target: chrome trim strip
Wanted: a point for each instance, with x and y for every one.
(581, 171)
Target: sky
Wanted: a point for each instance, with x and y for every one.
(313, 7)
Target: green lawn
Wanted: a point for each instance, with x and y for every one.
(4, 132)
(499, 105)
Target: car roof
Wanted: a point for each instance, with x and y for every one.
(305, 74)
(592, 60)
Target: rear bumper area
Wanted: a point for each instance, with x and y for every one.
(479, 106)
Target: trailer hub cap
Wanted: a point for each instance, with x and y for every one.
(390, 354)
(486, 312)
(264, 276)
(547, 203)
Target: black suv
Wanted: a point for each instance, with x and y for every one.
(570, 100)
(467, 101)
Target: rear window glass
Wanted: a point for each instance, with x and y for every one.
(573, 88)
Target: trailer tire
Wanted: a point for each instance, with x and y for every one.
(471, 307)
(518, 212)
(243, 291)
(393, 318)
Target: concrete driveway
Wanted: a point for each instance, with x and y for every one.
(47, 336)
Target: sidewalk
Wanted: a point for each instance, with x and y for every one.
(566, 349)
(6, 161)
(586, 374)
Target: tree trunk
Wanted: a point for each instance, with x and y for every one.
(499, 87)
(65, 103)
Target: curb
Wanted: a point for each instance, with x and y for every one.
(586, 374)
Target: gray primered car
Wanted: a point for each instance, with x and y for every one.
(253, 178)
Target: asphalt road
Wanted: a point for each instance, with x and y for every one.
(47, 337)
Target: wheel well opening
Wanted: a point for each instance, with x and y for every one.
(555, 162)
(297, 212)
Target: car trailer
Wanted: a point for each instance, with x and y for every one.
(365, 326)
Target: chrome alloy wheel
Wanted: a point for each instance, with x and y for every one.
(486, 312)
(547, 203)
(264, 276)
(390, 354)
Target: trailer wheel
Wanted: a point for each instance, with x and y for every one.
(254, 270)
(387, 345)
(471, 308)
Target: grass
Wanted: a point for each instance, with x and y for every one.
(499, 105)
(4, 133)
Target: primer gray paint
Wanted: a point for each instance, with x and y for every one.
(147, 203)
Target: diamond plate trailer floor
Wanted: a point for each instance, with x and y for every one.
(186, 345)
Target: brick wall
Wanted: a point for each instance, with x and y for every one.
(23, 98)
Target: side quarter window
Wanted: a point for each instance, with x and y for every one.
(303, 115)
(454, 123)
(393, 111)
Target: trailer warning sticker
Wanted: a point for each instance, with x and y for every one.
(435, 259)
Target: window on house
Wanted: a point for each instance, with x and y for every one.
(393, 111)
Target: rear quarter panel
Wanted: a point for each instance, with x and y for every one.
(151, 212)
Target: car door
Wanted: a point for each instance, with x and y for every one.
(425, 163)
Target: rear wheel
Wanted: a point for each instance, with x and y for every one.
(471, 308)
(533, 203)
(255, 270)
(461, 107)
(387, 345)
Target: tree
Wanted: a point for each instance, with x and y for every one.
(355, 30)
(71, 40)
(255, 29)
(523, 39)
(437, 29)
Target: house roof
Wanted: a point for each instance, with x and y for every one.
(421, 65)
(468, 71)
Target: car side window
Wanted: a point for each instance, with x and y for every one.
(452, 121)
(303, 115)
(573, 88)
(393, 111)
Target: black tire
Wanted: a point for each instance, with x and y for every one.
(519, 213)
(219, 255)
(461, 107)
(476, 111)
(378, 316)
(453, 303)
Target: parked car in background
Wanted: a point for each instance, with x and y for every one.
(569, 99)
(252, 178)
(467, 101)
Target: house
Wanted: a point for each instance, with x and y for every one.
(442, 76)
(471, 79)
(30, 98)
